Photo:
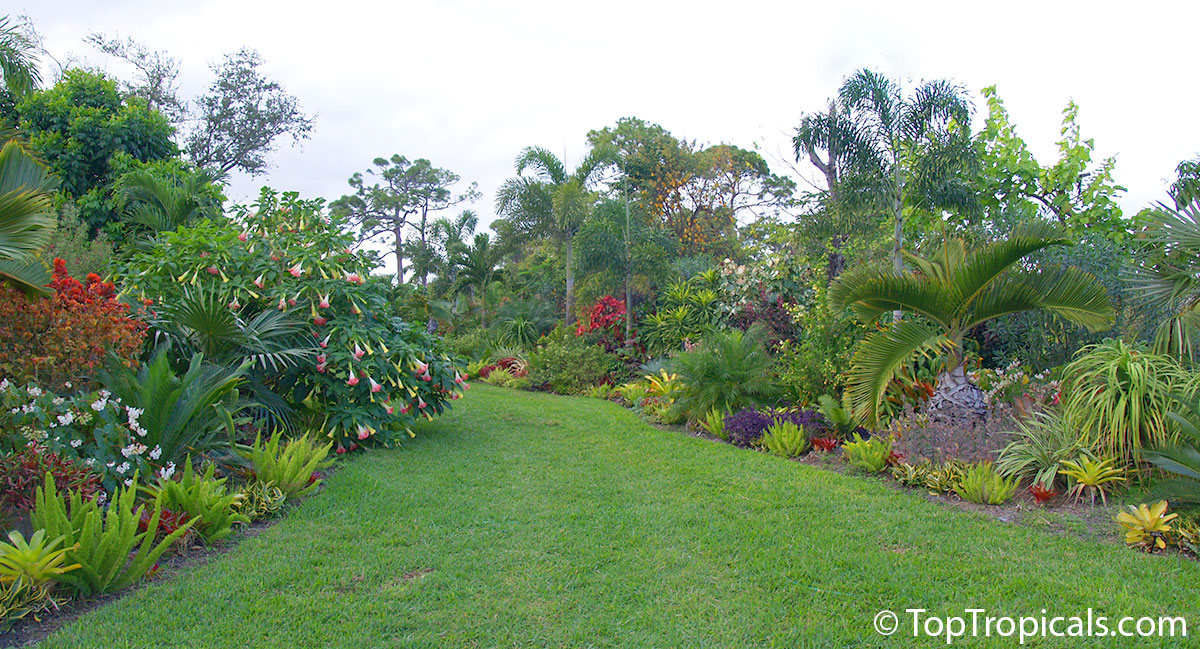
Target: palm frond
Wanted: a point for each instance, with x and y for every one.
(879, 358)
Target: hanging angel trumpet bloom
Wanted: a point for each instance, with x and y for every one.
(421, 368)
(404, 409)
(258, 281)
(353, 380)
(320, 321)
(325, 343)
(364, 432)
(324, 304)
(296, 270)
(282, 304)
(354, 278)
(375, 387)
(358, 352)
(234, 304)
(242, 236)
(421, 403)
(388, 408)
(321, 368)
(321, 358)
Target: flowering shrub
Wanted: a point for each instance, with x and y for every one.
(63, 340)
(374, 375)
(607, 316)
(21, 473)
(93, 429)
(1015, 385)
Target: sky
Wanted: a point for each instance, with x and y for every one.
(469, 84)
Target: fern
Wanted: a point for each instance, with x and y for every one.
(105, 539)
(291, 466)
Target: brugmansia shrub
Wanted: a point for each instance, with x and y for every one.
(289, 467)
(1118, 395)
(200, 496)
(111, 551)
(374, 374)
(980, 483)
(62, 341)
(729, 370)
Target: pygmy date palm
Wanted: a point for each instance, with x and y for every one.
(946, 295)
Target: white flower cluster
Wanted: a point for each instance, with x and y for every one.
(167, 471)
(133, 414)
(133, 449)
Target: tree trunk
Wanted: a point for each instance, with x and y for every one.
(898, 243)
(399, 254)
(570, 299)
(956, 400)
(628, 311)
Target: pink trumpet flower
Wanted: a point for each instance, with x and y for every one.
(358, 352)
(296, 270)
(324, 302)
(426, 377)
(234, 305)
(422, 368)
(353, 380)
(375, 387)
(421, 404)
(282, 304)
(320, 321)
(353, 278)
(212, 270)
(321, 368)
(388, 408)
(363, 432)
(321, 357)
(242, 236)
(404, 409)
(325, 343)
(259, 282)
(466, 386)
(291, 301)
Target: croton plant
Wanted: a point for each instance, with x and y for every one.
(373, 374)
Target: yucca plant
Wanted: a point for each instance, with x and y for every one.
(202, 497)
(111, 551)
(1093, 476)
(785, 439)
(1039, 446)
(947, 294)
(1118, 394)
(728, 371)
(289, 466)
(1180, 460)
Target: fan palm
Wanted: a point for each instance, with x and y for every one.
(549, 201)
(268, 344)
(26, 218)
(1167, 274)
(949, 293)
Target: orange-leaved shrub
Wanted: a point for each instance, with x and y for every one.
(61, 341)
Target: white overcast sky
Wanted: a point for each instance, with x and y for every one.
(468, 84)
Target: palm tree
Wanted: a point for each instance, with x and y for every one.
(450, 235)
(477, 269)
(1167, 275)
(551, 202)
(949, 293)
(907, 154)
(161, 204)
(26, 219)
(18, 58)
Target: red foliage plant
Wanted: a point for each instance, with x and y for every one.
(1040, 493)
(825, 444)
(607, 315)
(66, 338)
(168, 522)
(21, 473)
(511, 364)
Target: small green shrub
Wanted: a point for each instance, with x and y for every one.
(570, 364)
(980, 483)
(870, 455)
(912, 475)
(289, 466)
(260, 500)
(107, 544)
(201, 497)
(729, 370)
(714, 423)
(785, 439)
(944, 478)
(20, 598)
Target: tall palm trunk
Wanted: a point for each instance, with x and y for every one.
(570, 299)
(955, 399)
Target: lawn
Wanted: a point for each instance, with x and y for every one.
(530, 520)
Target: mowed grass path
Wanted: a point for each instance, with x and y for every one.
(530, 520)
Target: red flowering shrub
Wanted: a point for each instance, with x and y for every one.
(607, 316)
(21, 473)
(65, 338)
(516, 366)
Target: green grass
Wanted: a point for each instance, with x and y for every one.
(529, 520)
